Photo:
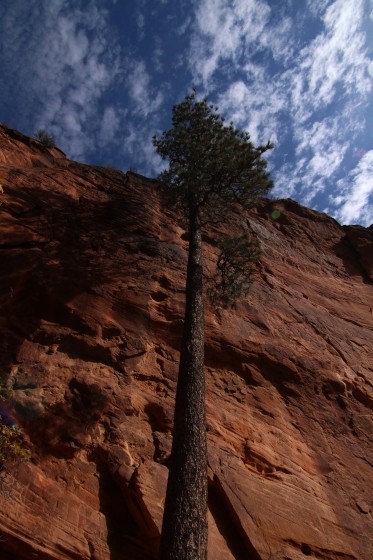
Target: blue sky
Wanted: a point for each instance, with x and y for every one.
(103, 75)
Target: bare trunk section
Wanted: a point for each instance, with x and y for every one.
(184, 532)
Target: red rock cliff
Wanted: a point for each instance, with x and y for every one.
(91, 293)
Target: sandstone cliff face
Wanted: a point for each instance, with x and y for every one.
(91, 293)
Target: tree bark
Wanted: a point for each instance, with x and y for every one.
(184, 531)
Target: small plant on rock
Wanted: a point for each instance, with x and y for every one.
(12, 447)
(46, 139)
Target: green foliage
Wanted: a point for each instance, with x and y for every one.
(211, 164)
(235, 268)
(12, 447)
(46, 139)
(4, 392)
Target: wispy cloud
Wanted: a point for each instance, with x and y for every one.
(140, 18)
(336, 58)
(300, 76)
(312, 103)
(145, 99)
(319, 152)
(222, 30)
(354, 201)
(81, 81)
(110, 125)
(138, 146)
(158, 54)
(255, 107)
(332, 74)
(67, 66)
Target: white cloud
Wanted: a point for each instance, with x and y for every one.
(222, 29)
(313, 100)
(72, 63)
(157, 58)
(184, 27)
(354, 201)
(140, 20)
(231, 32)
(110, 125)
(318, 7)
(326, 145)
(67, 66)
(144, 98)
(320, 149)
(316, 98)
(278, 39)
(332, 68)
(308, 96)
(138, 146)
(335, 58)
(254, 107)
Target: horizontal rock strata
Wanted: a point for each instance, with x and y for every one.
(92, 294)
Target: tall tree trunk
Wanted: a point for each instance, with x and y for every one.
(184, 532)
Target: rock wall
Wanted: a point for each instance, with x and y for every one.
(91, 293)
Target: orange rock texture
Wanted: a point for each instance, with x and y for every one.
(92, 294)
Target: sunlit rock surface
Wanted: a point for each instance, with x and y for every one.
(91, 293)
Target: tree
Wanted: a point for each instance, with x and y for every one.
(212, 168)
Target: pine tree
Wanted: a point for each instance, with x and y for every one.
(212, 168)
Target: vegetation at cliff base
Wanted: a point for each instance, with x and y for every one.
(11, 445)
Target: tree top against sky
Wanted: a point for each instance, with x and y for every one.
(210, 161)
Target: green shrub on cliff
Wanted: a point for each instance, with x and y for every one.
(46, 139)
(12, 447)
